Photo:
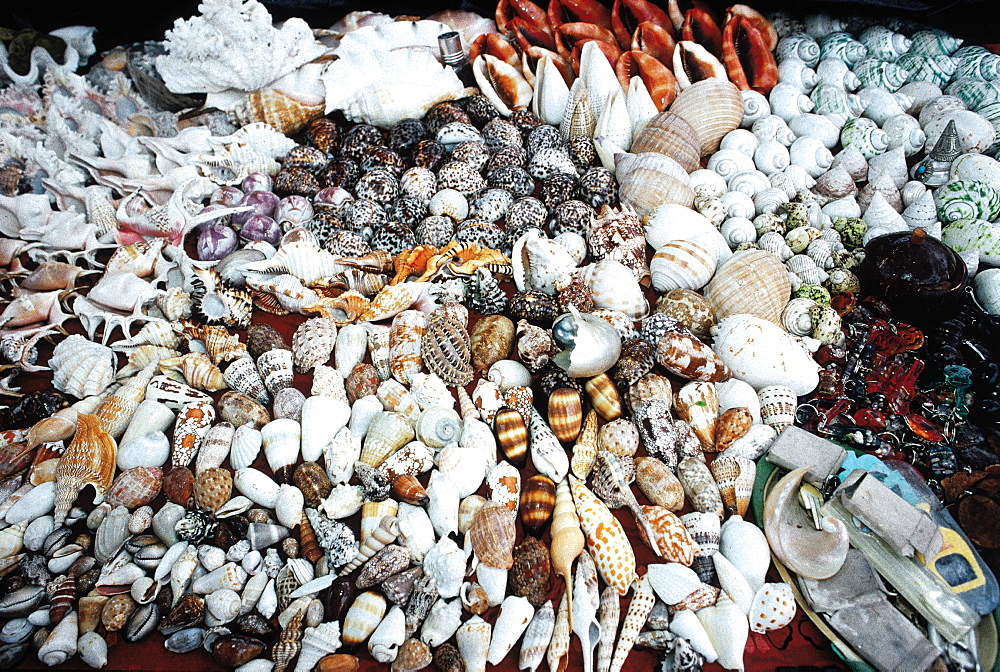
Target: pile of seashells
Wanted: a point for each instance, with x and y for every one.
(409, 234)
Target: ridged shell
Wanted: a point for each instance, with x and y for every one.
(492, 535)
(405, 345)
(89, 459)
(670, 134)
(753, 282)
(446, 349)
(82, 368)
(530, 573)
(135, 487)
(713, 107)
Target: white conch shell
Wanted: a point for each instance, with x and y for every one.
(443, 505)
(416, 531)
(727, 629)
(254, 52)
(598, 77)
(539, 263)
(515, 614)
(441, 622)
(445, 562)
(322, 418)
(816, 554)
(672, 581)
(390, 72)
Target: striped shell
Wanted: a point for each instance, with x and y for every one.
(446, 348)
(713, 107)
(89, 459)
(752, 281)
(405, 336)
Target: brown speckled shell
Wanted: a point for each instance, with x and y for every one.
(362, 381)
(239, 409)
(492, 535)
(531, 573)
(116, 611)
(731, 425)
(635, 361)
(658, 483)
(314, 483)
(618, 234)
(446, 348)
(263, 337)
(212, 488)
(689, 358)
(448, 659)
(135, 487)
(390, 560)
(534, 306)
(689, 308)
(178, 485)
(491, 340)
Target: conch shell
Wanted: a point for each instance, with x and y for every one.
(88, 460)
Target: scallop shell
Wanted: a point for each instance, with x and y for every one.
(751, 282)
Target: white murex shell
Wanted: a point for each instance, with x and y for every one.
(390, 72)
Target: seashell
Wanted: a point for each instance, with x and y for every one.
(811, 552)
(198, 370)
(61, 644)
(689, 358)
(515, 615)
(363, 617)
(750, 281)
(313, 343)
(491, 341)
(672, 538)
(727, 630)
(323, 417)
(390, 634)
(81, 368)
(281, 440)
(784, 363)
(698, 405)
(473, 639)
(777, 406)
(387, 433)
(733, 423)
(89, 459)
(611, 550)
(699, 486)
(275, 367)
(773, 607)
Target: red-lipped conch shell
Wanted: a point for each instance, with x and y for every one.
(806, 550)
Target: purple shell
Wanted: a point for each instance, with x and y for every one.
(216, 241)
(226, 196)
(261, 227)
(333, 196)
(257, 182)
(212, 222)
(293, 210)
(262, 202)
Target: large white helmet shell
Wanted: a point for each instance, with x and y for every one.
(761, 353)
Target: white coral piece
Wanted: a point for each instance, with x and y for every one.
(390, 72)
(233, 45)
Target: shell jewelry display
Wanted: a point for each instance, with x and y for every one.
(587, 337)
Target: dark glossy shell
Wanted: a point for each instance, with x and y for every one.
(359, 140)
(435, 230)
(574, 292)
(526, 212)
(598, 187)
(405, 135)
(532, 572)
(178, 485)
(398, 587)
(383, 158)
(533, 305)
(340, 172)
(190, 609)
(514, 179)
(558, 188)
(656, 431)
(538, 500)
(361, 381)
(498, 133)
(393, 237)
(324, 134)
(314, 483)
(378, 185)
(472, 152)
(305, 157)
(525, 121)
(447, 658)
(582, 151)
(512, 434)
(428, 154)
(543, 137)
(442, 114)
(264, 337)
(571, 216)
(447, 350)
(507, 156)
(482, 233)
(480, 110)
(296, 181)
(635, 361)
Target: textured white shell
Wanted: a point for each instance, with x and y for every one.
(82, 368)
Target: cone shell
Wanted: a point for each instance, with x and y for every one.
(492, 535)
(672, 537)
(658, 483)
(606, 539)
(565, 413)
(699, 486)
(405, 337)
(537, 637)
(713, 107)
(191, 425)
(735, 477)
(387, 433)
(752, 281)
(777, 406)
(407, 488)
(363, 617)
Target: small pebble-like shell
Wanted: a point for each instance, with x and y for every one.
(658, 483)
(699, 486)
(491, 341)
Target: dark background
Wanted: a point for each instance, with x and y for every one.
(125, 21)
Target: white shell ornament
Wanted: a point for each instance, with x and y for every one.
(591, 345)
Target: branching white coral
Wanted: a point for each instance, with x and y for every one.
(233, 45)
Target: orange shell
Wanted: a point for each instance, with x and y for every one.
(89, 460)
(673, 538)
